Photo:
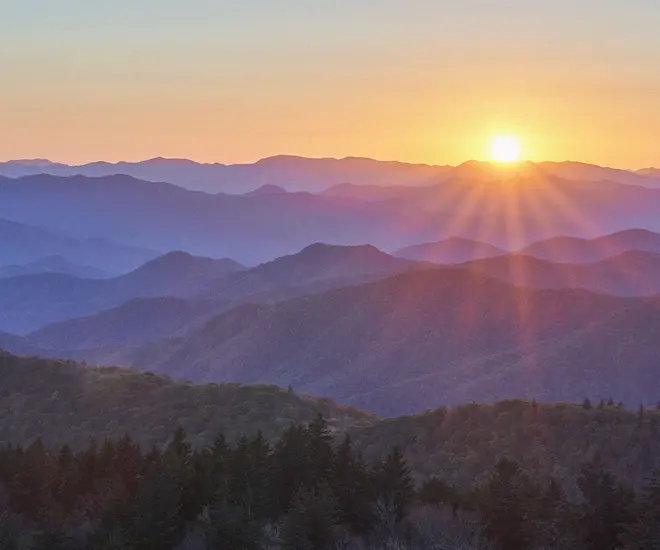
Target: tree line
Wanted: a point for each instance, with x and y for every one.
(306, 490)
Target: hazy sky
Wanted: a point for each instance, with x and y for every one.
(417, 80)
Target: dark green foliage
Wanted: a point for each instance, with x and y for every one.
(305, 492)
(353, 489)
(461, 445)
(608, 507)
(231, 526)
(644, 533)
(310, 522)
(394, 483)
(65, 402)
(508, 504)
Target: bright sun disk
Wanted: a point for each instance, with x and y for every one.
(505, 149)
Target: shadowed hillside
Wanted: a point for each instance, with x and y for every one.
(22, 244)
(30, 302)
(422, 339)
(631, 273)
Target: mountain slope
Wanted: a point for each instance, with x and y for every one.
(651, 172)
(631, 273)
(577, 250)
(18, 345)
(32, 301)
(450, 251)
(217, 285)
(22, 244)
(460, 444)
(81, 402)
(52, 264)
(315, 264)
(410, 342)
(177, 273)
(133, 323)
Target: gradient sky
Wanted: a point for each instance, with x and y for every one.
(416, 80)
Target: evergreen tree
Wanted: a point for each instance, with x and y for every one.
(290, 467)
(608, 507)
(230, 527)
(351, 485)
(154, 519)
(320, 451)
(309, 524)
(644, 533)
(395, 484)
(509, 504)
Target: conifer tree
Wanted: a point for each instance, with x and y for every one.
(608, 507)
(395, 483)
(309, 524)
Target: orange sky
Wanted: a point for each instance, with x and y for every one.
(419, 81)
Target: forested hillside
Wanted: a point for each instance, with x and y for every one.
(64, 402)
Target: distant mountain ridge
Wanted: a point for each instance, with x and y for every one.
(454, 250)
(290, 172)
(631, 273)
(22, 244)
(508, 213)
(31, 301)
(52, 264)
(295, 173)
(578, 250)
(201, 295)
(133, 323)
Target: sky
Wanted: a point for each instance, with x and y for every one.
(427, 81)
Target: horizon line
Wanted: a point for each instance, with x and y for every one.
(302, 157)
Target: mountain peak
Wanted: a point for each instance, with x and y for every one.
(323, 249)
(178, 260)
(453, 250)
(267, 190)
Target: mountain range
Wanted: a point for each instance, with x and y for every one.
(306, 174)
(454, 250)
(508, 209)
(424, 338)
(631, 273)
(31, 301)
(178, 293)
(184, 291)
(32, 249)
(548, 288)
(576, 250)
(52, 264)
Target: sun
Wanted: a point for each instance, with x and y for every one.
(505, 149)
